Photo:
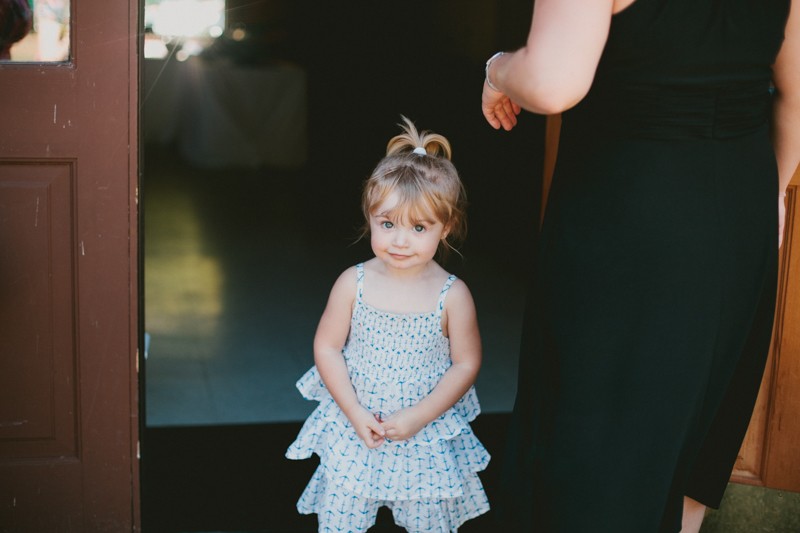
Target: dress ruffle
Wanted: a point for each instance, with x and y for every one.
(339, 511)
(449, 425)
(434, 463)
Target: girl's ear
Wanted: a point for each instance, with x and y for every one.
(446, 231)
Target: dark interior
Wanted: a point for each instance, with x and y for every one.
(366, 64)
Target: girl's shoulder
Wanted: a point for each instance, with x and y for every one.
(346, 285)
(349, 275)
(450, 282)
(458, 293)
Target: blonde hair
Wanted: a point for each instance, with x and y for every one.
(417, 167)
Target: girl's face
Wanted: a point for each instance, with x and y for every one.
(400, 241)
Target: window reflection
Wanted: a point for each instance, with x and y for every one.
(34, 30)
(183, 27)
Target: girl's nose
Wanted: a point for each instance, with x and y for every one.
(400, 238)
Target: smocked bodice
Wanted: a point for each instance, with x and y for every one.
(395, 359)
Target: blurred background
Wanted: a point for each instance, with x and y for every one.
(260, 121)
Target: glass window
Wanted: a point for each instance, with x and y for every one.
(35, 30)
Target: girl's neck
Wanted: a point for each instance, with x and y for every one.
(408, 274)
(413, 291)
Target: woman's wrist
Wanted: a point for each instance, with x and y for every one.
(489, 62)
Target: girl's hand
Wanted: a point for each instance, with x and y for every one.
(368, 428)
(498, 109)
(403, 424)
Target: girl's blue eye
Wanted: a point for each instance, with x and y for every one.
(387, 225)
(419, 228)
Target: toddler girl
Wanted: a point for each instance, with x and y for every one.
(397, 351)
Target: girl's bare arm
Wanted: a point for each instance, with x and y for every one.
(332, 331)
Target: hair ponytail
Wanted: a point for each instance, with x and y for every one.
(413, 141)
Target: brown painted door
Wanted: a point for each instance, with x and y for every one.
(770, 455)
(68, 281)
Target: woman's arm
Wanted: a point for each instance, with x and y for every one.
(465, 352)
(786, 108)
(329, 340)
(555, 68)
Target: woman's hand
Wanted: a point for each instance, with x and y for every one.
(498, 109)
(403, 424)
(368, 427)
(781, 217)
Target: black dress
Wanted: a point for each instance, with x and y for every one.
(649, 317)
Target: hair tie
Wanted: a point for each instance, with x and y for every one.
(419, 150)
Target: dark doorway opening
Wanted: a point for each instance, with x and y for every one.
(240, 252)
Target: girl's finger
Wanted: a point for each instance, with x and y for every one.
(377, 428)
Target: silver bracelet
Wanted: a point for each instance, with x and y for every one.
(488, 64)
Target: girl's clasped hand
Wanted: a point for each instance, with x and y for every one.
(374, 430)
(368, 426)
(401, 425)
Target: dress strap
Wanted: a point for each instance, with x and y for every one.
(442, 295)
(360, 282)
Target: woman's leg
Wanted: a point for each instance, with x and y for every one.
(693, 514)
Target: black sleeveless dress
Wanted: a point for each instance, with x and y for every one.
(650, 311)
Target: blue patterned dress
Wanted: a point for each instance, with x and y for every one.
(429, 481)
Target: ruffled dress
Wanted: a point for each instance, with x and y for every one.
(429, 481)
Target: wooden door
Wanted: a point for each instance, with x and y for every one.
(68, 281)
(770, 455)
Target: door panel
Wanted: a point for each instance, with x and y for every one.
(37, 413)
(68, 281)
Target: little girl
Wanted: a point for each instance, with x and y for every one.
(397, 351)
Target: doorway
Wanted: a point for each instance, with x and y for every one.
(256, 142)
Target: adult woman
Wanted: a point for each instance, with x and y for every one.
(651, 309)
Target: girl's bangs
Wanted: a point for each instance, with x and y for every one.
(413, 205)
